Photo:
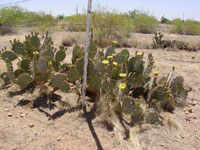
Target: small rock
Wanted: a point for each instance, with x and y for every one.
(190, 110)
(192, 116)
(162, 145)
(9, 115)
(194, 103)
(58, 139)
(182, 136)
(23, 115)
(6, 109)
(112, 135)
(31, 125)
(187, 110)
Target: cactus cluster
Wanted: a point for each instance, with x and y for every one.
(127, 82)
(130, 80)
(38, 61)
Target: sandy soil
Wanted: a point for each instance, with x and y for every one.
(27, 127)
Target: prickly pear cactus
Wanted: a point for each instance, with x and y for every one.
(60, 55)
(109, 52)
(178, 90)
(38, 63)
(77, 53)
(124, 56)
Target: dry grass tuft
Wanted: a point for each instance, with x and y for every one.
(72, 39)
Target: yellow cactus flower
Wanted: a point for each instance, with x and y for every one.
(155, 73)
(35, 53)
(122, 75)
(109, 57)
(114, 55)
(105, 62)
(50, 63)
(122, 86)
(115, 63)
(139, 54)
(114, 42)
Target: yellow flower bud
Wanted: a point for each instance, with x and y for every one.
(35, 53)
(155, 73)
(122, 75)
(139, 54)
(114, 55)
(122, 86)
(114, 42)
(115, 63)
(50, 63)
(109, 57)
(105, 62)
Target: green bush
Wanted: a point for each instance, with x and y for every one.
(164, 20)
(143, 22)
(15, 16)
(105, 24)
(77, 23)
(188, 27)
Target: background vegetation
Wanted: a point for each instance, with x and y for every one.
(17, 16)
(106, 23)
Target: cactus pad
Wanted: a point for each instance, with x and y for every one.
(42, 66)
(57, 80)
(18, 72)
(42, 77)
(92, 51)
(9, 56)
(24, 80)
(109, 52)
(64, 87)
(124, 55)
(60, 55)
(35, 41)
(95, 83)
(49, 55)
(73, 74)
(77, 54)
(90, 67)
(25, 64)
(19, 48)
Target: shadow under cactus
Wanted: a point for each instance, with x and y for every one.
(30, 88)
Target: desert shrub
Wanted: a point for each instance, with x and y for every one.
(77, 23)
(60, 17)
(111, 25)
(164, 20)
(192, 27)
(105, 24)
(72, 39)
(188, 27)
(15, 16)
(5, 30)
(143, 22)
(11, 16)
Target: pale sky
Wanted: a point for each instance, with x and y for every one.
(187, 9)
